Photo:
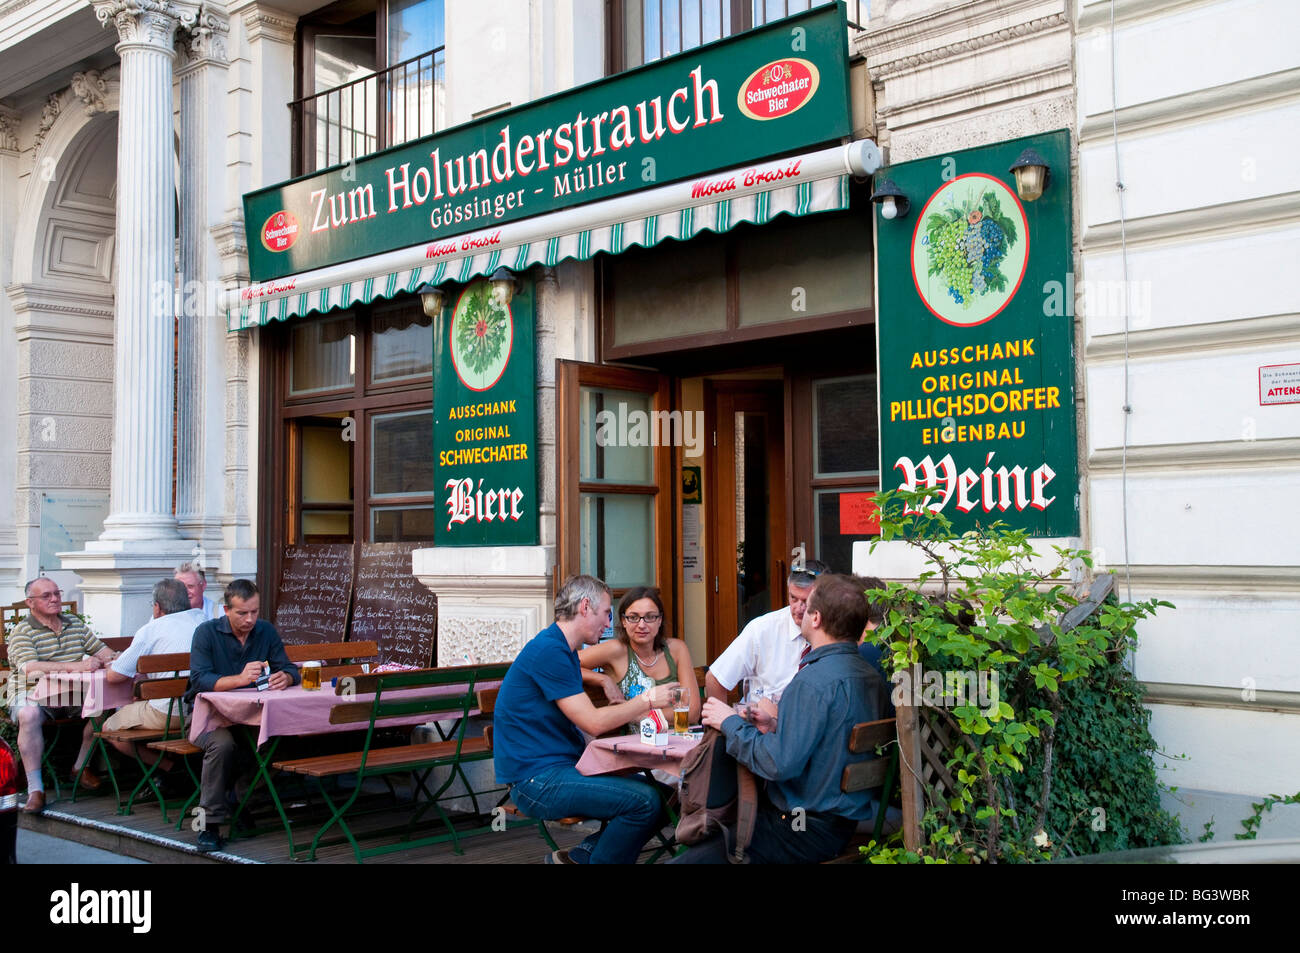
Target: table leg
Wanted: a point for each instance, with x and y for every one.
(263, 774)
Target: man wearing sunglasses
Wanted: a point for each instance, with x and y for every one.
(48, 640)
(770, 647)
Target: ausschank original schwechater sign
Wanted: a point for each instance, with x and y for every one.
(768, 91)
(976, 340)
(485, 419)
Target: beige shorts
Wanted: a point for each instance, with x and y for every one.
(141, 715)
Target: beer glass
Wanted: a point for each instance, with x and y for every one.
(681, 711)
(311, 676)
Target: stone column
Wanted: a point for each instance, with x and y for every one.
(547, 285)
(140, 542)
(201, 69)
(140, 506)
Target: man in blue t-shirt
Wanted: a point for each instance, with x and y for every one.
(541, 712)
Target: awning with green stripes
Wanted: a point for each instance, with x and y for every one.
(799, 185)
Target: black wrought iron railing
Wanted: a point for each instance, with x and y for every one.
(387, 108)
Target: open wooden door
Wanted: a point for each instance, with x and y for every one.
(747, 522)
(614, 479)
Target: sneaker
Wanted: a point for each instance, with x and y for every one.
(210, 841)
(558, 857)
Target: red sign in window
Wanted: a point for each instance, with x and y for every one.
(859, 515)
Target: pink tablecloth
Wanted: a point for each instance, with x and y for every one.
(608, 755)
(294, 711)
(90, 690)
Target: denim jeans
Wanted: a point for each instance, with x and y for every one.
(633, 810)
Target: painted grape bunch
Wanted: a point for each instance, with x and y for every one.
(967, 244)
(481, 331)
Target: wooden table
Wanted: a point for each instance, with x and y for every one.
(290, 712)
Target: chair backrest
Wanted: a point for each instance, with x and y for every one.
(118, 643)
(11, 615)
(347, 656)
(867, 737)
(393, 696)
(173, 688)
(170, 662)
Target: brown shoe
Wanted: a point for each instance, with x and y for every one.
(35, 803)
(89, 780)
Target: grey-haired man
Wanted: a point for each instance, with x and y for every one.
(770, 647)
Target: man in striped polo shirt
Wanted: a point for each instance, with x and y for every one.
(48, 640)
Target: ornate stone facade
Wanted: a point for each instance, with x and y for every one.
(91, 88)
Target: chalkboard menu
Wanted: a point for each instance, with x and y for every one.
(392, 607)
(315, 586)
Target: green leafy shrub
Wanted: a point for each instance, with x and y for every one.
(1055, 759)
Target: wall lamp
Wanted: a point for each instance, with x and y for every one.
(1031, 171)
(431, 299)
(893, 202)
(504, 286)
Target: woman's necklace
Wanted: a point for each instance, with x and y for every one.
(650, 664)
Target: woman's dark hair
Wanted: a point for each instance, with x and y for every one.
(632, 595)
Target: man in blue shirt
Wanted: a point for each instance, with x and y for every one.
(541, 713)
(803, 816)
(227, 654)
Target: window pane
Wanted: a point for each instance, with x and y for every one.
(326, 526)
(618, 542)
(322, 356)
(845, 429)
(765, 11)
(401, 453)
(345, 118)
(326, 464)
(840, 518)
(656, 28)
(616, 436)
(414, 27)
(410, 524)
(821, 254)
(401, 343)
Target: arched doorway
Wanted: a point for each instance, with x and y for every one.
(62, 300)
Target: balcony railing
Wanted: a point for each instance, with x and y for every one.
(404, 102)
(641, 31)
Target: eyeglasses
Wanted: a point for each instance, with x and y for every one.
(56, 594)
(804, 574)
(650, 618)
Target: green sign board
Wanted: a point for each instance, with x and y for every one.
(485, 419)
(976, 340)
(759, 94)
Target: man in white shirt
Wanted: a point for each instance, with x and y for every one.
(171, 630)
(196, 581)
(770, 647)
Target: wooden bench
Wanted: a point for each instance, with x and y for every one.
(391, 702)
(338, 659)
(173, 690)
